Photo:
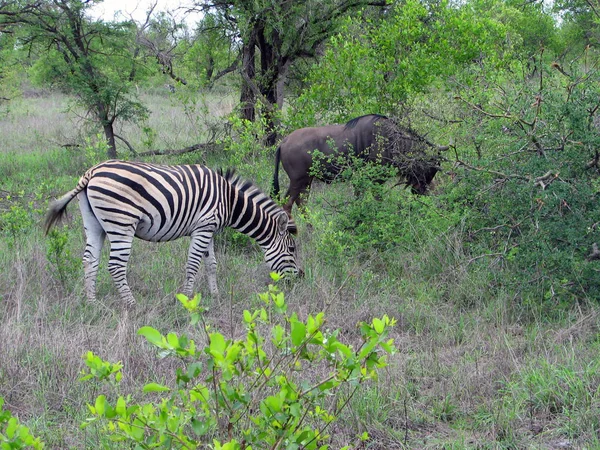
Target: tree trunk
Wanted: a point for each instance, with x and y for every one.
(247, 98)
(269, 71)
(109, 132)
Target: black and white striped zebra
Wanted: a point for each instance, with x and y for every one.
(120, 200)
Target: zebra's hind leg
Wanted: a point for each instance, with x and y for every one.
(200, 246)
(94, 240)
(120, 250)
(211, 269)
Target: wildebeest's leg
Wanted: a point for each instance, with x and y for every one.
(297, 193)
(201, 241)
(120, 249)
(211, 268)
(93, 247)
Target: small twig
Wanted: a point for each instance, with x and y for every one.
(482, 111)
(71, 146)
(405, 423)
(497, 227)
(560, 69)
(485, 255)
(545, 180)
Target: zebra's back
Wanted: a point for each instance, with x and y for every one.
(159, 202)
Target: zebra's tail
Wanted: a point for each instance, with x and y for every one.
(275, 190)
(58, 208)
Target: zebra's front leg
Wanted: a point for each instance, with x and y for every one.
(201, 245)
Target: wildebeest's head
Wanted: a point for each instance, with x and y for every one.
(416, 158)
(419, 180)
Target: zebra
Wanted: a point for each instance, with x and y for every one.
(158, 203)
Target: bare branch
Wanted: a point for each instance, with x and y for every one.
(131, 149)
(232, 67)
(594, 162)
(545, 180)
(493, 172)
(256, 91)
(191, 148)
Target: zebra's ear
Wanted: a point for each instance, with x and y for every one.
(282, 222)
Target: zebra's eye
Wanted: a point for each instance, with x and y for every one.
(292, 248)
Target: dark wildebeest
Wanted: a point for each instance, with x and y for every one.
(372, 138)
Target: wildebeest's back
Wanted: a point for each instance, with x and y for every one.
(298, 147)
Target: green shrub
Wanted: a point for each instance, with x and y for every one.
(14, 435)
(59, 255)
(245, 148)
(17, 220)
(282, 384)
(380, 216)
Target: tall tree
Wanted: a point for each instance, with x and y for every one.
(273, 35)
(88, 57)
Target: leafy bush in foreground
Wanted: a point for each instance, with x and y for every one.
(13, 435)
(280, 385)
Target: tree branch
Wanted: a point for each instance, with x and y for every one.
(545, 180)
(131, 149)
(493, 172)
(191, 148)
(256, 91)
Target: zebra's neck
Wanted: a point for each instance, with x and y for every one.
(252, 212)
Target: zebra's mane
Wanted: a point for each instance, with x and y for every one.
(352, 123)
(246, 186)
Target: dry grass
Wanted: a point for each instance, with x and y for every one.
(470, 372)
(38, 124)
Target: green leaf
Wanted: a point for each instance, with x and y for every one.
(121, 407)
(200, 427)
(217, 344)
(152, 335)
(275, 276)
(279, 299)
(378, 325)
(343, 349)
(173, 340)
(100, 405)
(298, 333)
(155, 387)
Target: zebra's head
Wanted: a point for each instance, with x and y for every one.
(280, 252)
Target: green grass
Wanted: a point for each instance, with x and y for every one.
(478, 365)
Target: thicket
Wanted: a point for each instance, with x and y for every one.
(518, 104)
